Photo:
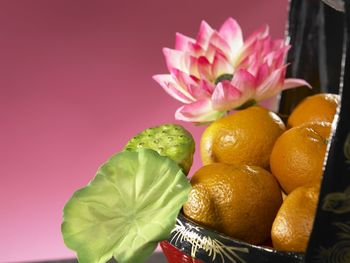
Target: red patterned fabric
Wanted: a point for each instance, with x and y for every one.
(174, 255)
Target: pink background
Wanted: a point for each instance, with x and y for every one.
(75, 85)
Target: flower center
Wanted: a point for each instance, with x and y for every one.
(223, 77)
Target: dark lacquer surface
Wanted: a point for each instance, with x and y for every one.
(330, 239)
(211, 246)
(316, 33)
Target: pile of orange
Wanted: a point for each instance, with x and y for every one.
(250, 160)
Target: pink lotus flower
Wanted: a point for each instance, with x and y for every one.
(218, 71)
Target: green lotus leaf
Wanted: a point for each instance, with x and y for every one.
(130, 205)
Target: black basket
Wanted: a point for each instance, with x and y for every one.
(320, 54)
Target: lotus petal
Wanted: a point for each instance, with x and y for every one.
(245, 82)
(226, 97)
(271, 85)
(199, 111)
(184, 43)
(169, 84)
(205, 69)
(231, 32)
(293, 83)
(221, 65)
(220, 44)
(204, 34)
(178, 60)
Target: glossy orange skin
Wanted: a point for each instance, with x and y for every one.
(293, 224)
(239, 201)
(244, 137)
(319, 107)
(298, 154)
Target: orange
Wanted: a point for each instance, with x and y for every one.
(298, 154)
(319, 107)
(293, 224)
(245, 137)
(323, 128)
(239, 201)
